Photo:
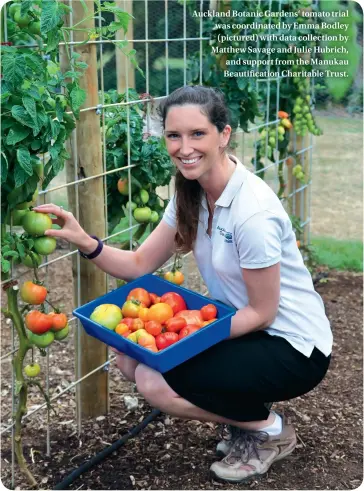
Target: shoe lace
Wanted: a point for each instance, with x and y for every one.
(229, 432)
(246, 446)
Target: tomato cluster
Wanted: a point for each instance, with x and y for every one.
(152, 321)
(43, 328)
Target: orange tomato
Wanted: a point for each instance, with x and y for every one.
(143, 313)
(208, 322)
(122, 329)
(141, 295)
(175, 277)
(137, 324)
(282, 114)
(131, 309)
(208, 312)
(154, 298)
(160, 312)
(153, 327)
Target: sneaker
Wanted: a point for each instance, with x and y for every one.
(252, 453)
(229, 434)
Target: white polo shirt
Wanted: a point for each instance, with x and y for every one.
(251, 229)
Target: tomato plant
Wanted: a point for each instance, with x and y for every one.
(153, 167)
(40, 103)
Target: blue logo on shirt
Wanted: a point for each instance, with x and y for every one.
(228, 235)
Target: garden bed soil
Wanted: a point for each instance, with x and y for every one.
(174, 454)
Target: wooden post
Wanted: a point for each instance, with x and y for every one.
(122, 63)
(90, 353)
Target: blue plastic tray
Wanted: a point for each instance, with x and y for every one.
(176, 353)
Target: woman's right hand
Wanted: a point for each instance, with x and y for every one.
(70, 230)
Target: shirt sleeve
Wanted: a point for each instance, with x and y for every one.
(169, 215)
(259, 240)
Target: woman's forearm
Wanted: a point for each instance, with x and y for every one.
(247, 320)
(116, 262)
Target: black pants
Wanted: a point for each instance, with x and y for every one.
(238, 377)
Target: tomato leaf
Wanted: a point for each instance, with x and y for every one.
(16, 134)
(51, 15)
(23, 158)
(20, 114)
(13, 69)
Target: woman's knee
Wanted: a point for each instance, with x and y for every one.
(152, 386)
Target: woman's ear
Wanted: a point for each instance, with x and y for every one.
(225, 136)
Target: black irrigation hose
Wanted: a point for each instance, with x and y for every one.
(107, 451)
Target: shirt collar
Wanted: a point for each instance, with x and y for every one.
(232, 187)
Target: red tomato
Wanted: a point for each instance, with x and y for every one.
(141, 295)
(128, 321)
(191, 317)
(166, 339)
(175, 300)
(59, 321)
(154, 298)
(188, 330)
(137, 324)
(37, 322)
(175, 325)
(153, 327)
(209, 312)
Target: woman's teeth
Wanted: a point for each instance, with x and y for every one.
(190, 161)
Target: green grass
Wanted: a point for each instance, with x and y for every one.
(339, 254)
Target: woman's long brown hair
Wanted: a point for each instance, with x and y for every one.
(189, 192)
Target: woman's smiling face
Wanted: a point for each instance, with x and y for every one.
(192, 141)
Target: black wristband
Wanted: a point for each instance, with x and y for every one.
(96, 252)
